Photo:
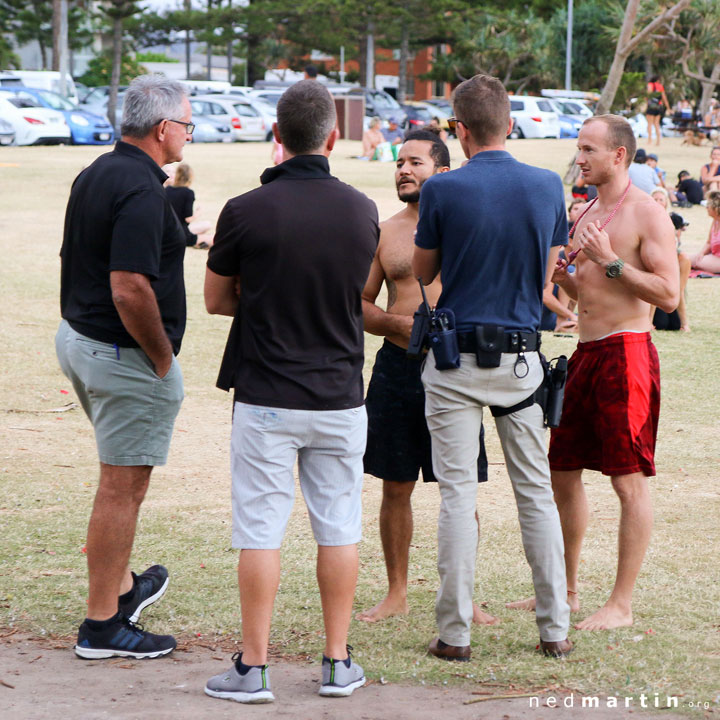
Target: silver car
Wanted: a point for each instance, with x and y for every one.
(245, 121)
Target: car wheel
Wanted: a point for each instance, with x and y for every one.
(516, 134)
(269, 136)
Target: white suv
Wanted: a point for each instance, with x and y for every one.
(533, 117)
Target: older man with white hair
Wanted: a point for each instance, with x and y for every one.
(122, 299)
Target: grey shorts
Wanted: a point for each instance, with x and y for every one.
(329, 447)
(132, 410)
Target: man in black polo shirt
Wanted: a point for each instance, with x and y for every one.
(289, 262)
(122, 299)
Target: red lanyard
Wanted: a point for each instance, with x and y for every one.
(575, 253)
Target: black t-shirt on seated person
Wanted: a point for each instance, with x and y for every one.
(119, 218)
(182, 200)
(693, 190)
(302, 245)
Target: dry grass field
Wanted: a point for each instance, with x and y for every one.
(48, 475)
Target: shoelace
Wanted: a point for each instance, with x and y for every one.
(135, 627)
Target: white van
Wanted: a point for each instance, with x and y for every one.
(49, 80)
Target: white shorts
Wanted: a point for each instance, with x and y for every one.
(329, 447)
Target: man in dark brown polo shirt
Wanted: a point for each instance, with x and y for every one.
(289, 263)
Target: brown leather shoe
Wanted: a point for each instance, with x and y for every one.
(556, 649)
(442, 650)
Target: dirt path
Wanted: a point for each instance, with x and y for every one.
(41, 678)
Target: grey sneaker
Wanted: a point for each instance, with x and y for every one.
(251, 687)
(340, 677)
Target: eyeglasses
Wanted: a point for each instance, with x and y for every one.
(452, 123)
(189, 127)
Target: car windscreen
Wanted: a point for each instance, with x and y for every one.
(517, 105)
(271, 99)
(384, 101)
(55, 101)
(245, 110)
(544, 106)
(23, 100)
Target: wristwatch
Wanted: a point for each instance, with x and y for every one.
(614, 269)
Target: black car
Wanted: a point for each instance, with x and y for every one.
(417, 117)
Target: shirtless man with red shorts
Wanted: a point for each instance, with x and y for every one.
(612, 398)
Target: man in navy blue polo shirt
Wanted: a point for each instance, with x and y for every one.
(493, 229)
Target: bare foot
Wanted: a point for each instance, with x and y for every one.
(607, 617)
(388, 607)
(529, 604)
(482, 618)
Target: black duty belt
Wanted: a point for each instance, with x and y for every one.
(512, 342)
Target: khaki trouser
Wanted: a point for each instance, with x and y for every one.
(454, 406)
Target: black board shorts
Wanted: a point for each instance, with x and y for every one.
(398, 443)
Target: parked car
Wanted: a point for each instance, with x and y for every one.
(535, 117)
(569, 124)
(98, 96)
(33, 124)
(378, 103)
(209, 129)
(270, 96)
(7, 133)
(442, 104)
(245, 120)
(49, 80)
(85, 128)
(96, 102)
(574, 107)
(267, 111)
(417, 116)
(441, 111)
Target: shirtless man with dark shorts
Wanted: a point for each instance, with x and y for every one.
(398, 438)
(612, 398)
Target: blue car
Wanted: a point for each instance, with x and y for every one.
(86, 128)
(569, 126)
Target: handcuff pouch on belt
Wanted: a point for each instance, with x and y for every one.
(549, 395)
(489, 341)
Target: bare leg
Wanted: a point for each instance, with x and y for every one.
(636, 519)
(709, 263)
(111, 533)
(684, 262)
(258, 580)
(337, 570)
(572, 506)
(396, 528)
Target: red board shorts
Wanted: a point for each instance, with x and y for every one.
(611, 408)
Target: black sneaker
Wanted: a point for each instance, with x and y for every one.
(147, 588)
(121, 638)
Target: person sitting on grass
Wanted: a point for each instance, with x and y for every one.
(660, 319)
(710, 173)
(689, 191)
(182, 199)
(372, 138)
(708, 259)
